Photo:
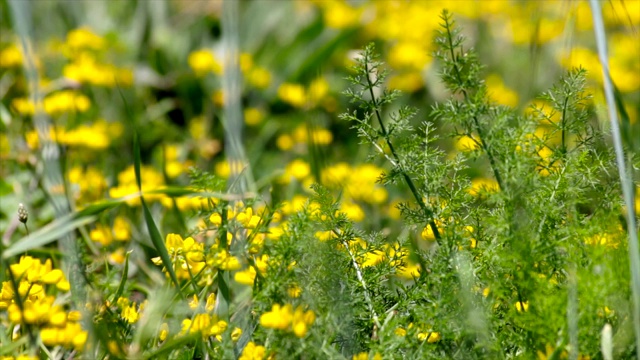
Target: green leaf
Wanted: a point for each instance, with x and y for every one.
(156, 237)
(123, 281)
(173, 344)
(57, 229)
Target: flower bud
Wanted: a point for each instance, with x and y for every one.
(23, 215)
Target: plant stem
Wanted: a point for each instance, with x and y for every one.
(624, 173)
(428, 212)
(367, 296)
(476, 122)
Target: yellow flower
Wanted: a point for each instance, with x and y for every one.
(34, 271)
(406, 81)
(302, 320)
(199, 323)
(235, 334)
(486, 291)
(297, 169)
(500, 93)
(203, 62)
(218, 98)
(211, 302)
(352, 210)
(247, 219)
(259, 77)
(293, 94)
(522, 306)
(71, 336)
(121, 229)
(65, 101)
(245, 277)
(127, 186)
(427, 232)
(131, 314)
(294, 291)
(467, 143)
(318, 89)
(253, 116)
(246, 62)
(85, 68)
(278, 318)
(164, 332)
(430, 336)
(339, 14)
(10, 56)
(605, 239)
(218, 328)
(409, 54)
(480, 185)
(253, 352)
(284, 142)
(400, 332)
(81, 39)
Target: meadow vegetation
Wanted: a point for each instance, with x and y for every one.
(319, 180)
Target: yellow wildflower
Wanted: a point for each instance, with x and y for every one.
(203, 62)
(480, 185)
(10, 56)
(522, 306)
(253, 116)
(259, 77)
(430, 336)
(253, 352)
(293, 94)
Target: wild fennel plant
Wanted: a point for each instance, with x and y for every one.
(532, 265)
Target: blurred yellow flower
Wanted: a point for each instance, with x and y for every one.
(85, 68)
(427, 232)
(259, 77)
(480, 185)
(467, 143)
(339, 14)
(500, 93)
(522, 306)
(285, 318)
(253, 116)
(203, 62)
(297, 169)
(10, 56)
(82, 39)
(292, 94)
(253, 352)
(430, 337)
(409, 54)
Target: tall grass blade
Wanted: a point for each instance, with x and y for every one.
(123, 281)
(623, 169)
(175, 343)
(154, 233)
(57, 229)
(606, 342)
(232, 121)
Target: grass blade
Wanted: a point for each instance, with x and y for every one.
(623, 169)
(154, 233)
(58, 228)
(123, 281)
(175, 343)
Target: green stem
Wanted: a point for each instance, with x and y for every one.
(428, 212)
(476, 122)
(563, 125)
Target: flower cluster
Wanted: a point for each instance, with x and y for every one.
(287, 319)
(31, 305)
(85, 50)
